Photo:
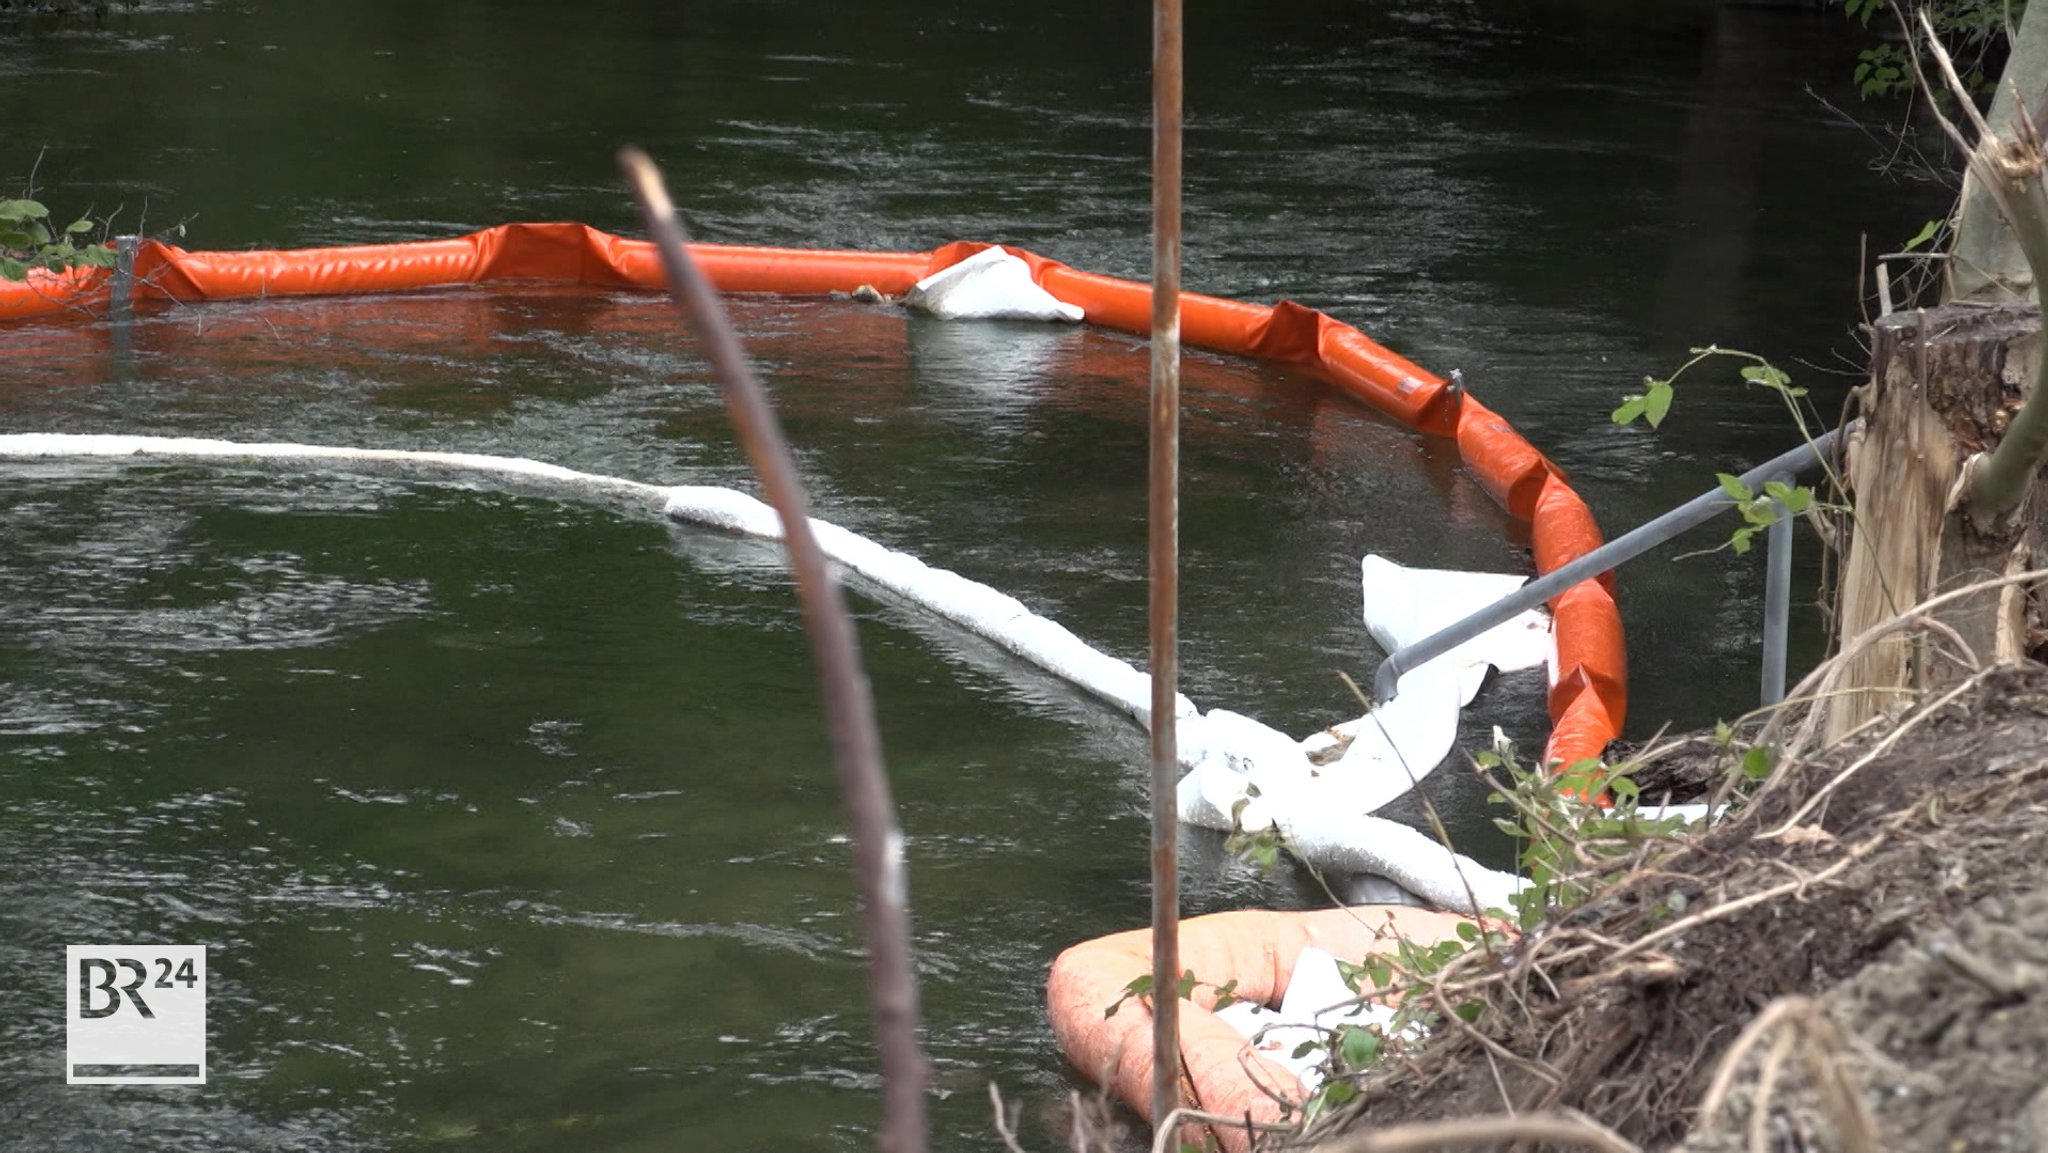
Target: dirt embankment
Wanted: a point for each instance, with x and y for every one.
(1870, 976)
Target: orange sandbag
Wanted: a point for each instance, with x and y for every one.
(1255, 948)
(1509, 466)
(1582, 731)
(1387, 382)
(46, 293)
(1563, 529)
(1591, 653)
(1109, 302)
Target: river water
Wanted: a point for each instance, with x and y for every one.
(508, 821)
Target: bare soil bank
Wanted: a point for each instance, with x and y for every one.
(1874, 978)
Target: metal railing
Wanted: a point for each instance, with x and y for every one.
(1630, 545)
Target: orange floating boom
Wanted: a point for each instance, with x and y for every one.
(1588, 700)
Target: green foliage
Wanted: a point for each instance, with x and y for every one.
(28, 240)
(1883, 70)
(1566, 823)
(1927, 232)
(1975, 32)
(1758, 510)
(1401, 979)
(1140, 988)
(1261, 847)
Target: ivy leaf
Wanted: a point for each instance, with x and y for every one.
(1733, 486)
(1632, 408)
(18, 210)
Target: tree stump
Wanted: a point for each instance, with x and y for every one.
(1944, 385)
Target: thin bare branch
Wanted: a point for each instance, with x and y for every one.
(1557, 1128)
(849, 708)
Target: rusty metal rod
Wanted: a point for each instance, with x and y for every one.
(1163, 510)
(849, 708)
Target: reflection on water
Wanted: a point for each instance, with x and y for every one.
(509, 821)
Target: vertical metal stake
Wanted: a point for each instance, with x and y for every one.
(1777, 599)
(121, 289)
(1163, 506)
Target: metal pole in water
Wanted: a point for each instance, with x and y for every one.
(1777, 598)
(121, 289)
(1164, 513)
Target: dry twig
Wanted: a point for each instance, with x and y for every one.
(1464, 1132)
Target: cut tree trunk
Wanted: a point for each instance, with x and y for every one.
(1945, 383)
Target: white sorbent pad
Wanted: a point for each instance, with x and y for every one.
(990, 285)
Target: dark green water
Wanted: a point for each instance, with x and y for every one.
(509, 821)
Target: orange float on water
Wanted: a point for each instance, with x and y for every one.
(1221, 1073)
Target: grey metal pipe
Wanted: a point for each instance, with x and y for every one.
(121, 288)
(1386, 680)
(1777, 599)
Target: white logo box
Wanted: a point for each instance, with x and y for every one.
(135, 1015)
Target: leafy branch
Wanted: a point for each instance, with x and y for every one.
(1759, 510)
(29, 240)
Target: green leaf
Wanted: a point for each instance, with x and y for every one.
(1926, 232)
(12, 269)
(1338, 1092)
(1756, 763)
(1358, 1047)
(1187, 985)
(1739, 540)
(77, 226)
(1470, 1010)
(22, 210)
(1632, 407)
(1657, 403)
(1624, 788)
(1733, 486)
(1305, 1048)
(1467, 931)
(1767, 375)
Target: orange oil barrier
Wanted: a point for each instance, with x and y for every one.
(1588, 699)
(1255, 948)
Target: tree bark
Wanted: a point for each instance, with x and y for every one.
(1945, 384)
(1985, 265)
